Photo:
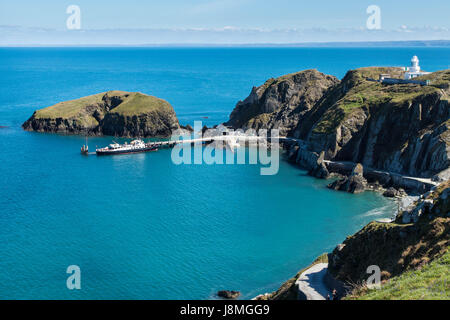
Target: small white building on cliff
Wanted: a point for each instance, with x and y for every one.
(414, 70)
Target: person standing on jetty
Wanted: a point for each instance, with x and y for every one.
(334, 295)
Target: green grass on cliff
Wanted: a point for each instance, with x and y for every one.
(286, 77)
(132, 103)
(330, 121)
(138, 103)
(414, 257)
(431, 282)
(374, 72)
(68, 109)
(439, 79)
(362, 94)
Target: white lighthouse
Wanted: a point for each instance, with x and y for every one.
(414, 70)
(414, 65)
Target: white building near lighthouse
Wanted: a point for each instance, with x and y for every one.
(414, 70)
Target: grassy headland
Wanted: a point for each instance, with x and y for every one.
(431, 282)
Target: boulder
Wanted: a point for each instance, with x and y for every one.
(227, 294)
(391, 193)
(292, 154)
(355, 183)
(358, 170)
(320, 170)
(306, 159)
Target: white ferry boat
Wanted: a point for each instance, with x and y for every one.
(134, 146)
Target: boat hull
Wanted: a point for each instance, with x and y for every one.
(117, 152)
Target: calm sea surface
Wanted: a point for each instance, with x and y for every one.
(139, 226)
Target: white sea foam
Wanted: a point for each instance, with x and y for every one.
(378, 211)
(389, 210)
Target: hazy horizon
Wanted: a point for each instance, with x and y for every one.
(337, 44)
(219, 22)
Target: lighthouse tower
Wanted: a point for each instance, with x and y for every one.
(414, 65)
(414, 70)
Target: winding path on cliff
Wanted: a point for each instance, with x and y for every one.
(423, 180)
(349, 163)
(311, 283)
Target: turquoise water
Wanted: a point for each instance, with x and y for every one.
(139, 226)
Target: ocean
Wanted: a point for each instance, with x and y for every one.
(139, 226)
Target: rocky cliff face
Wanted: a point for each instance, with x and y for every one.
(280, 103)
(159, 123)
(114, 113)
(402, 128)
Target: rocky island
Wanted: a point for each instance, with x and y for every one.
(112, 113)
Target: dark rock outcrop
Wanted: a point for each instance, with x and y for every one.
(355, 183)
(227, 294)
(187, 127)
(392, 192)
(320, 171)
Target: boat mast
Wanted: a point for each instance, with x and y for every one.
(85, 148)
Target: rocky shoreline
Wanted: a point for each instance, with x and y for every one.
(353, 177)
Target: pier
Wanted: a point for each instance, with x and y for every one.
(231, 140)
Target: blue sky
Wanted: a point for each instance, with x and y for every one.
(222, 21)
